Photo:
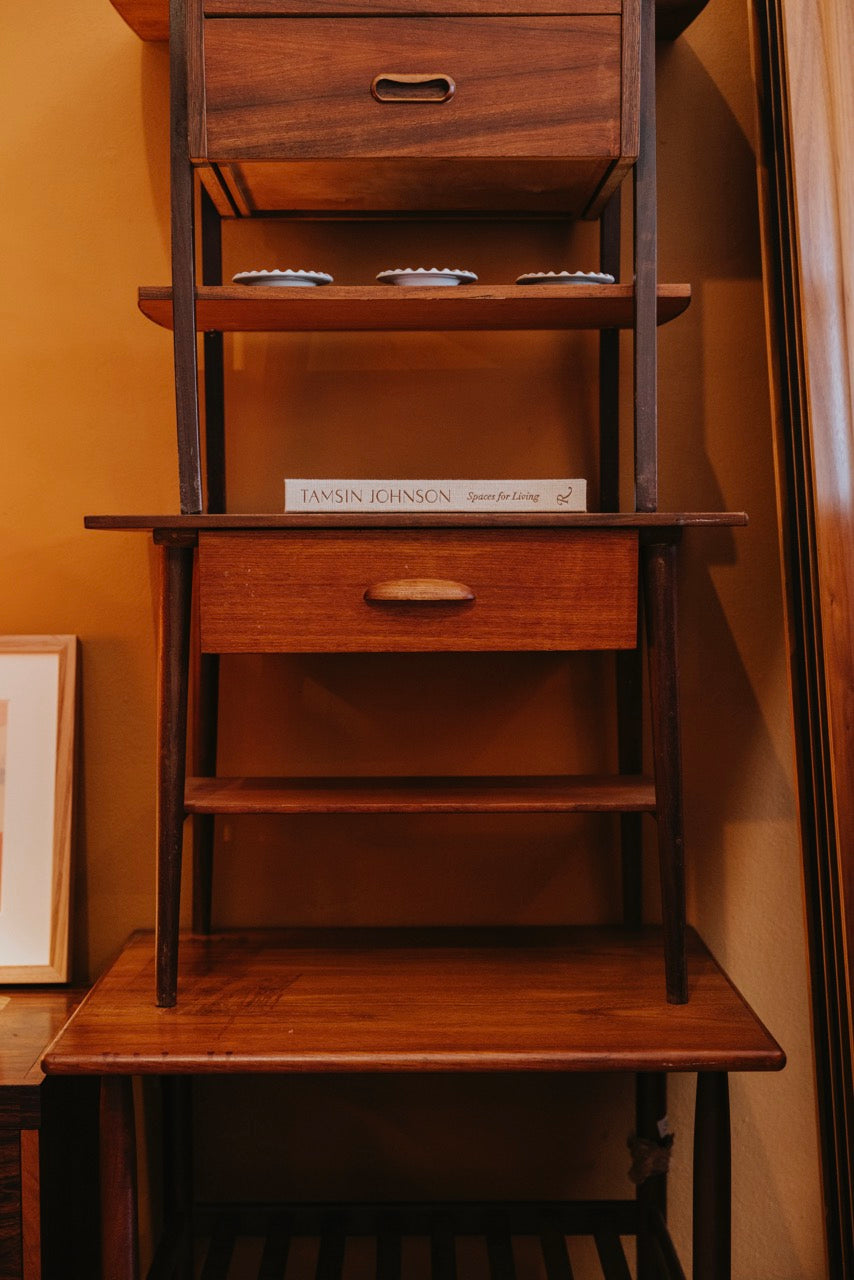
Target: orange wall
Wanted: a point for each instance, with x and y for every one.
(89, 428)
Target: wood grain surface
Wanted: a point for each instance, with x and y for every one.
(31, 1223)
(422, 8)
(150, 18)
(292, 593)
(582, 794)
(11, 1235)
(398, 1000)
(564, 188)
(29, 1020)
(806, 103)
(526, 87)
(185, 526)
(819, 36)
(376, 307)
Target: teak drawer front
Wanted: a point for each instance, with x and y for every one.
(305, 593)
(301, 89)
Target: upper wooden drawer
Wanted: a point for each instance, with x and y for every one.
(357, 591)
(301, 89)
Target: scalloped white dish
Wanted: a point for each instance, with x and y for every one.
(426, 276)
(566, 277)
(286, 277)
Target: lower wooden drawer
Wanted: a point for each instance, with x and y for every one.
(376, 591)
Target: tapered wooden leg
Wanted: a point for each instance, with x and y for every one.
(178, 1165)
(659, 560)
(207, 701)
(204, 825)
(176, 588)
(609, 367)
(214, 362)
(712, 1178)
(119, 1230)
(630, 759)
(650, 1111)
(646, 275)
(183, 267)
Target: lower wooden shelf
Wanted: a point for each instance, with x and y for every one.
(448, 1240)
(508, 999)
(561, 794)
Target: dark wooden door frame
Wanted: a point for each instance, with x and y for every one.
(806, 197)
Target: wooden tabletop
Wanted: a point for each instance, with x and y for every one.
(30, 1017)
(549, 999)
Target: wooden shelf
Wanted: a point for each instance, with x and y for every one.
(187, 525)
(353, 308)
(548, 999)
(539, 1228)
(582, 794)
(150, 18)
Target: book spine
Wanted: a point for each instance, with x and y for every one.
(435, 495)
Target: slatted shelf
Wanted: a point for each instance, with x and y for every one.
(338, 308)
(544, 1233)
(562, 794)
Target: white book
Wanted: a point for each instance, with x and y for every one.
(435, 495)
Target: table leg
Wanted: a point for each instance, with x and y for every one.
(659, 561)
(178, 1165)
(650, 1110)
(175, 600)
(712, 1182)
(119, 1228)
(207, 710)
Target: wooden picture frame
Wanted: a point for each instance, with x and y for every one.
(38, 677)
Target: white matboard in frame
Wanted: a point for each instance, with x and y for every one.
(38, 676)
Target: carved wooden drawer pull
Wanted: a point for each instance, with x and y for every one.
(419, 591)
(391, 87)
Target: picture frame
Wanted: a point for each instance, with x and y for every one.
(38, 680)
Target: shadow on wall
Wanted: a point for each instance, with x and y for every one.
(716, 452)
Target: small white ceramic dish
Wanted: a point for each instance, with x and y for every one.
(286, 277)
(426, 276)
(566, 277)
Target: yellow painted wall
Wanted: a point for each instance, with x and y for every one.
(88, 427)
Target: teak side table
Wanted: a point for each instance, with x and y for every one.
(388, 109)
